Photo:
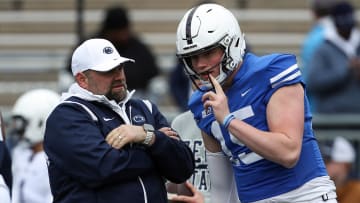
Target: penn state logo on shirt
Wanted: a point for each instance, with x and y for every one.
(139, 119)
(108, 50)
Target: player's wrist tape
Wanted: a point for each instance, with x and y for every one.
(227, 120)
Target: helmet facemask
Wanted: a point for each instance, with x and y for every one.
(17, 127)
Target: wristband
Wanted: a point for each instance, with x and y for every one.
(227, 120)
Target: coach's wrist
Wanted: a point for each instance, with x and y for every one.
(149, 135)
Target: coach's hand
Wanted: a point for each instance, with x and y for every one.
(217, 100)
(125, 134)
(170, 132)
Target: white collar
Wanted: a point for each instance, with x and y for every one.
(77, 91)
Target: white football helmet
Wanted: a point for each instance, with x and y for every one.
(34, 107)
(205, 27)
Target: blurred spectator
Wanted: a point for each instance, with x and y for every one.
(180, 86)
(339, 157)
(334, 68)
(117, 28)
(17, 4)
(29, 168)
(320, 10)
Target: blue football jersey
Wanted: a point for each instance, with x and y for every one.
(254, 84)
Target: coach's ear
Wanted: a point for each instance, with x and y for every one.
(82, 79)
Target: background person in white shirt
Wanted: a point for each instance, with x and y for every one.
(31, 179)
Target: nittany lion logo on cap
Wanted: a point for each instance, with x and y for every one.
(108, 50)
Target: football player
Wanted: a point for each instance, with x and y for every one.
(255, 107)
(31, 179)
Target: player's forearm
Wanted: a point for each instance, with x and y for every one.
(276, 147)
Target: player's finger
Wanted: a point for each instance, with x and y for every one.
(217, 86)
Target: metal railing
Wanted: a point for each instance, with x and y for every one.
(328, 126)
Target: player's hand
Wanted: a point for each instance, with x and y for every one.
(125, 134)
(217, 100)
(196, 198)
